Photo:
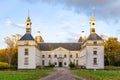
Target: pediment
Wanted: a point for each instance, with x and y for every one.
(60, 49)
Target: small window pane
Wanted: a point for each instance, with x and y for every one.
(55, 56)
(43, 62)
(65, 56)
(49, 56)
(94, 52)
(95, 61)
(65, 63)
(26, 51)
(43, 56)
(26, 61)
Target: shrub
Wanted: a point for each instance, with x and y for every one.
(72, 65)
(51, 65)
(4, 65)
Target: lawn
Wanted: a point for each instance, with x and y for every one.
(24, 74)
(99, 74)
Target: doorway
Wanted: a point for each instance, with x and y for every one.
(60, 64)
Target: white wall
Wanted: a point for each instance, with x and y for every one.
(99, 56)
(31, 57)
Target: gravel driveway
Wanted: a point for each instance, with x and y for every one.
(62, 74)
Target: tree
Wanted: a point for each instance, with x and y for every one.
(12, 50)
(112, 50)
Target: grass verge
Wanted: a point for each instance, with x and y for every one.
(99, 74)
(24, 74)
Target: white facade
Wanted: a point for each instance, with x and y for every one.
(88, 53)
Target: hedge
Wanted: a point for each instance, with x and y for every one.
(4, 65)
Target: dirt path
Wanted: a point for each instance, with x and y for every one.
(62, 74)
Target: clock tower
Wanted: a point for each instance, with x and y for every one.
(28, 25)
(92, 25)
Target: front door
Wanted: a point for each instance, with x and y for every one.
(60, 64)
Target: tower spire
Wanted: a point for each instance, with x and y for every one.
(93, 18)
(28, 24)
(92, 22)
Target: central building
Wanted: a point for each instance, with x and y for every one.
(87, 52)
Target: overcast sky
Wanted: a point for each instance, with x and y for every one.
(59, 20)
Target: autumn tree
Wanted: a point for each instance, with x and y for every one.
(112, 50)
(12, 50)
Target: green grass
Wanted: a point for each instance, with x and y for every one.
(98, 75)
(24, 74)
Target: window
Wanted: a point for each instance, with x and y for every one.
(95, 61)
(70, 56)
(65, 56)
(55, 56)
(26, 61)
(94, 52)
(76, 62)
(93, 29)
(76, 55)
(65, 63)
(49, 56)
(43, 56)
(43, 62)
(49, 62)
(95, 43)
(55, 63)
(26, 51)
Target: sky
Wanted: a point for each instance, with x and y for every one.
(59, 20)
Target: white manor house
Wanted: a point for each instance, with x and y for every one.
(87, 52)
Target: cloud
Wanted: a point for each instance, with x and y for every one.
(9, 22)
(73, 37)
(104, 9)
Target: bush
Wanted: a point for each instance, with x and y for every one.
(51, 65)
(71, 65)
(4, 65)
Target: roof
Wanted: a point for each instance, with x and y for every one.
(27, 37)
(80, 39)
(52, 46)
(94, 36)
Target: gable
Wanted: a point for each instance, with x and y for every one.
(60, 49)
